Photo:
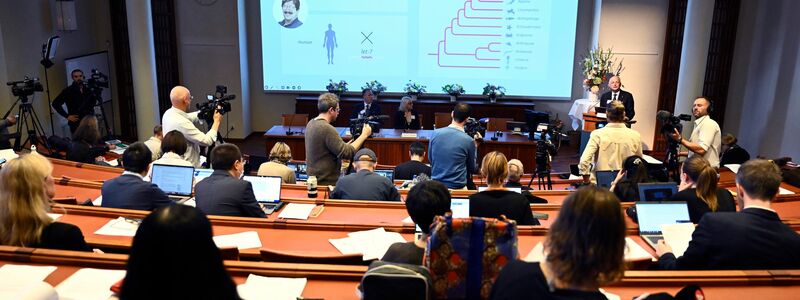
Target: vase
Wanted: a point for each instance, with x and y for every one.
(593, 97)
(493, 99)
(453, 98)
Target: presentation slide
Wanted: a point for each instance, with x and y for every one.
(526, 46)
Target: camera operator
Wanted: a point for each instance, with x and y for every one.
(452, 152)
(609, 146)
(4, 136)
(176, 118)
(324, 146)
(78, 99)
(706, 137)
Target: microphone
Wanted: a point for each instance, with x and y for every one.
(291, 121)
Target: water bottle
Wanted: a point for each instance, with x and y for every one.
(312, 186)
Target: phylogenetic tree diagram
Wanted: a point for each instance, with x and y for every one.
(473, 38)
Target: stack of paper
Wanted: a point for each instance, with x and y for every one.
(734, 167)
(296, 211)
(678, 236)
(119, 227)
(26, 282)
(242, 240)
(277, 288)
(371, 244)
(633, 252)
(89, 284)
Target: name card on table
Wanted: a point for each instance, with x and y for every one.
(408, 135)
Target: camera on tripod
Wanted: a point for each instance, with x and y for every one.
(219, 101)
(26, 87)
(670, 122)
(97, 81)
(357, 125)
(545, 149)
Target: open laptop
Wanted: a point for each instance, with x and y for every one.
(200, 174)
(459, 207)
(386, 173)
(299, 168)
(657, 191)
(605, 178)
(267, 190)
(652, 215)
(513, 189)
(175, 181)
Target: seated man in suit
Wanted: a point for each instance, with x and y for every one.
(616, 94)
(368, 107)
(129, 190)
(754, 238)
(223, 193)
(365, 184)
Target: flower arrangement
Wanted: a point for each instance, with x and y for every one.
(375, 86)
(337, 87)
(414, 89)
(494, 91)
(599, 66)
(454, 89)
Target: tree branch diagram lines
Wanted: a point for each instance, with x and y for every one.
(473, 38)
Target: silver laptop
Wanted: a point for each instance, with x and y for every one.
(652, 215)
(267, 190)
(175, 181)
(458, 206)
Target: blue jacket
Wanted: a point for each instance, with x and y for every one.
(221, 194)
(131, 192)
(452, 154)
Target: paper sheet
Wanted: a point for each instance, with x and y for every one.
(734, 167)
(38, 290)
(277, 288)
(296, 211)
(98, 201)
(375, 249)
(371, 244)
(89, 284)
(346, 245)
(651, 160)
(8, 154)
(536, 254)
(242, 240)
(784, 191)
(408, 221)
(678, 236)
(634, 252)
(54, 216)
(119, 227)
(11, 274)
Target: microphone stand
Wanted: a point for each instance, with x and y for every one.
(291, 121)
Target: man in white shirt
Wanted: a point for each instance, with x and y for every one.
(176, 118)
(706, 138)
(154, 143)
(609, 146)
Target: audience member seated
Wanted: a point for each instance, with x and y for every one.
(174, 257)
(515, 172)
(425, 200)
(154, 143)
(633, 172)
(584, 250)
(497, 200)
(86, 146)
(26, 188)
(276, 166)
(173, 148)
(223, 193)
(410, 169)
(406, 116)
(732, 153)
(699, 189)
(365, 184)
(789, 171)
(754, 238)
(130, 190)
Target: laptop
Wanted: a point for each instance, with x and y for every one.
(605, 178)
(513, 189)
(299, 168)
(175, 181)
(657, 191)
(386, 173)
(654, 214)
(459, 207)
(267, 190)
(200, 174)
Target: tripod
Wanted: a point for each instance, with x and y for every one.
(28, 120)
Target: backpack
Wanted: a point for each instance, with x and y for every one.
(385, 280)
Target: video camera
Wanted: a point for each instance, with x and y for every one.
(26, 87)
(472, 127)
(97, 80)
(219, 101)
(670, 122)
(545, 149)
(357, 125)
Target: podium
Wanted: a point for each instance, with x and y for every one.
(591, 121)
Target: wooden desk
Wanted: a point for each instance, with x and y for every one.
(392, 149)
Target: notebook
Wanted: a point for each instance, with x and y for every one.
(657, 191)
(267, 190)
(652, 215)
(175, 181)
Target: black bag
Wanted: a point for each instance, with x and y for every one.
(385, 280)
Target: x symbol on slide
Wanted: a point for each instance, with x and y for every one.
(366, 37)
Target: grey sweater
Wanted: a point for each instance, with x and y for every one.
(324, 149)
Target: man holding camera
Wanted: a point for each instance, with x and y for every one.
(706, 138)
(452, 152)
(78, 99)
(176, 118)
(324, 147)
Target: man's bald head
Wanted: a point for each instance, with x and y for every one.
(614, 83)
(180, 97)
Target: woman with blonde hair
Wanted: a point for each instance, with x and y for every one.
(26, 188)
(406, 116)
(496, 200)
(699, 189)
(279, 156)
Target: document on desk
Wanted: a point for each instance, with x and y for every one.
(408, 221)
(733, 167)
(54, 216)
(296, 211)
(651, 160)
(98, 201)
(634, 252)
(371, 244)
(678, 236)
(89, 284)
(242, 240)
(8, 154)
(119, 227)
(277, 288)
(784, 191)
(16, 275)
(536, 254)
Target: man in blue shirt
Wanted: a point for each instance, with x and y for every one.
(452, 152)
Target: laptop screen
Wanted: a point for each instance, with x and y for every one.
(266, 188)
(459, 207)
(513, 189)
(658, 191)
(654, 214)
(173, 180)
(200, 174)
(605, 178)
(386, 173)
(300, 173)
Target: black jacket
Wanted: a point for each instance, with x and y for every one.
(131, 192)
(221, 194)
(698, 208)
(625, 97)
(365, 185)
(374, 109)
(78, 102)
(400, 120)
(492, 204)
(62, 236)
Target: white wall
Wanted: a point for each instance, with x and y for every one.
(635, 30)
(763, 108)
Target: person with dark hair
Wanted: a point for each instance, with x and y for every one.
(368, 107)
(706, 138)
(78, 99)
(154, 142)
(223, 193)
(410, 169)
(174, 256)
(290, 13)
(584, 249)
(633, 172)
(86, 146)
(453, 153)
(130, 190)
(406, 117)
(732, 153)
(173, 148)
(752, 239)
(365, 184)
(699, 189)
(325, 149)
(425, 201)
(496, 200)
(609, 146)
